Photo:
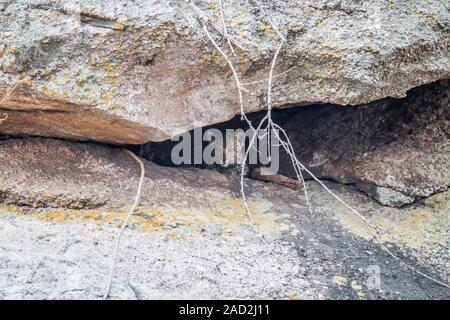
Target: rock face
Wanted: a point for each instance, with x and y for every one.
(395, 150)
(87, 176)
(62, 203)
(144, 70)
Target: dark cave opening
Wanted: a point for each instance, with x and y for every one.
(382, 148)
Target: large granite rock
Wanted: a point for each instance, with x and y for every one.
(398, 151)
(61, 204)
(139, 71)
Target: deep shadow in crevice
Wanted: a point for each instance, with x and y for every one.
(392, 112)
(403, 138)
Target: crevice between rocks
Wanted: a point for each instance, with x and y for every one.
(393, 150)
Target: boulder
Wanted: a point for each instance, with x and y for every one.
(133, 72)
(396, 150)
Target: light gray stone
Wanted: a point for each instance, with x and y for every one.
(62, 203)
(139, 71)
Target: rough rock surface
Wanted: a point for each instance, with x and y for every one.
(396, 150)
(190, 237)
(144, 70)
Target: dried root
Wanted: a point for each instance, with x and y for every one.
(267, 127)
(125, 224)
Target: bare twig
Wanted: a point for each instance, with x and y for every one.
(9, 91)
(224, 27)
(252, 141)
(235, 75)
(206, 21)
(255, 4)
(287, 145)
(125, 223)
(5, 98)
(279, 179)
(373, 229)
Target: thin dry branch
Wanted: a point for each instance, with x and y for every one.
(206, 21)
(125, 223)
(5, 98)
(252, 141)
(270, 81)
(255, 4)
(258, 174)
(235, 76)
(9, 91)
(287, 145)
(297, 168)
(373, 229)
(224, 27)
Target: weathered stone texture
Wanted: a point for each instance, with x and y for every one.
(133, 72)
(396, 150)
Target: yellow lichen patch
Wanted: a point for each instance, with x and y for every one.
(340, 281)
(355, 285)
(235, 22)
(113, 217)
(222, 213)
(12, 209)
(184, 32)
(108, 66)
(419, 227)
(49, 92)
(320, 23)
(160, 32)
(408, 229)
(370, 49)
(352, 223)
(119, 26)
(231, 212)
(358, 288)
(113, 107)
(292, 296)
(327, 61)
(212, 5)
(439, 202)
(266, 28)
(94, 14)
(212, 57)
(12, 49)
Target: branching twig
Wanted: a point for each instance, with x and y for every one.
(376, 232)
(9, 91)
(224, 27)
(205, 21)
(288, 147)
(6, 96)
(255, 3)
(125, 223)
(252, 141)
(235, 75)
